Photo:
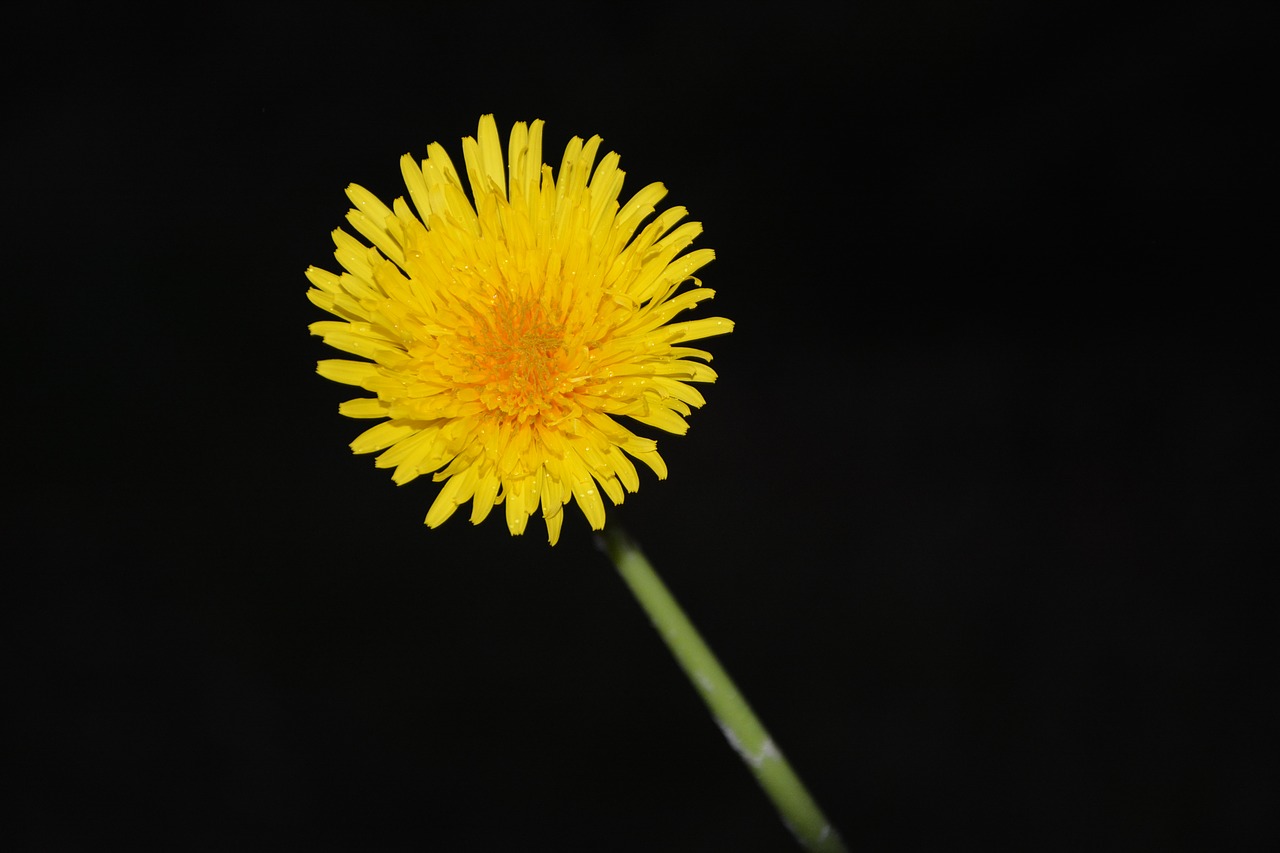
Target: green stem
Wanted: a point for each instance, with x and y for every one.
(731, 711)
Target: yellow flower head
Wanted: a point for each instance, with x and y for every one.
(505, 339)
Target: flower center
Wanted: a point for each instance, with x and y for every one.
(520, 351)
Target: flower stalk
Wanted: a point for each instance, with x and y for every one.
(739, 723)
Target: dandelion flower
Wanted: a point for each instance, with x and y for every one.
(506, 334)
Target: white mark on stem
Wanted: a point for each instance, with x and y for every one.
(757, 759)
(821, 836)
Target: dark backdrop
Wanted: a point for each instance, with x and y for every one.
(970, 513)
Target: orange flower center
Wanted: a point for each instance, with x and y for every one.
(519, 350)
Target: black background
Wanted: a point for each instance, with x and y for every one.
(971, 513)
